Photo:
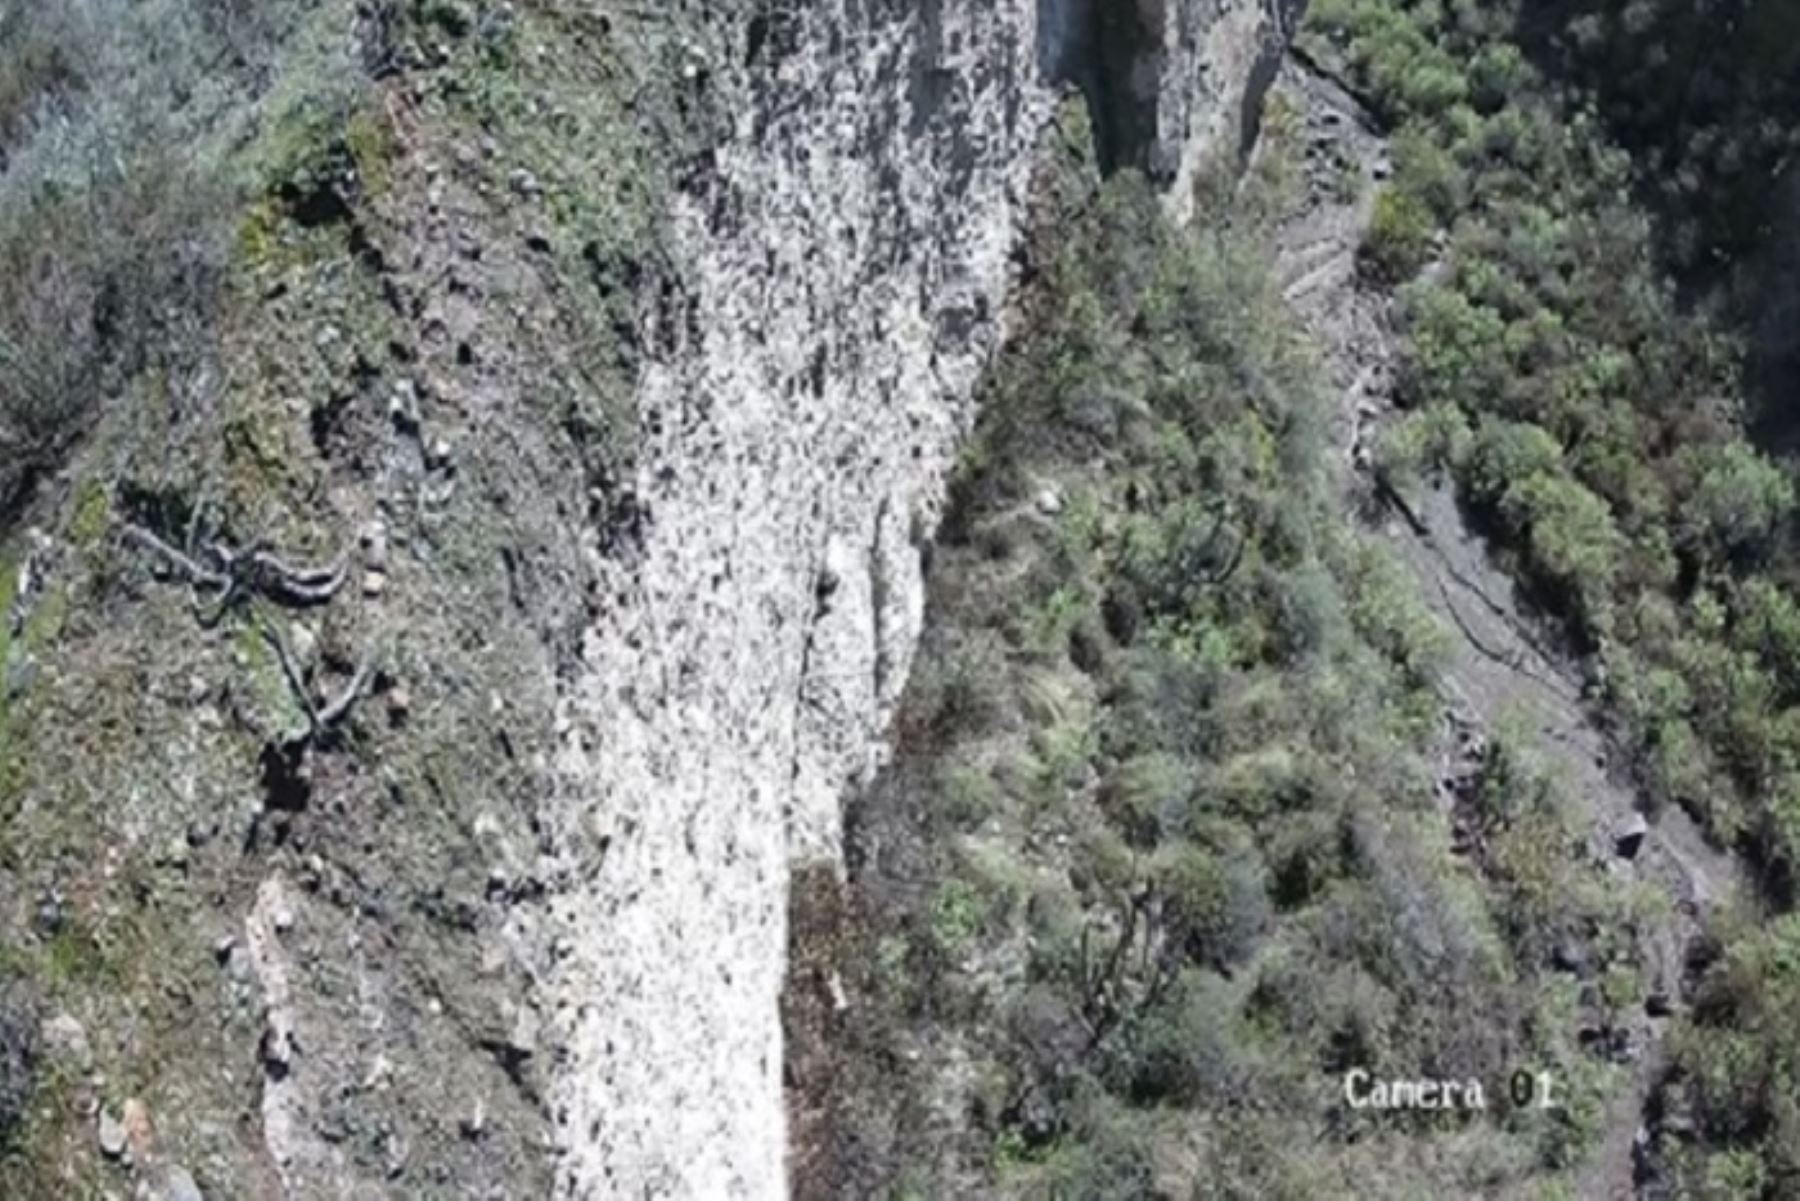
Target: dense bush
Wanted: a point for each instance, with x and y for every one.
(1701, 93)
(1607, 446)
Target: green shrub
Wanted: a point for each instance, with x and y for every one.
(1504, 455)
(1455, 349)
(958, 913)
(1739, 499)
(1216, 905)
(1571, 533)
(116, 199)
(1432, 439)
(1401, 236)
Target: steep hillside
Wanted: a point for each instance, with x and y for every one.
(943, 598)
(1183, 826)
(466, 468)
(1135, 896)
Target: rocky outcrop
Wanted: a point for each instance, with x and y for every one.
(847, 258)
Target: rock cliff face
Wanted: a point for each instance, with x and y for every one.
(512, 921)
(849, 254)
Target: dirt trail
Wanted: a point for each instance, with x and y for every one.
(1504, 667)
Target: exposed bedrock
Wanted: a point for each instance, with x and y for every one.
(846, 256)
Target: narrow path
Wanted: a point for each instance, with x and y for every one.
(1503, 667)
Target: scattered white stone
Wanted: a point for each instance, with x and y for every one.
(67, 1039)
(112, 1135)
(305, 645)
(180, 1186)
(380, 1072)
(1049, 503)
(526, 1027)
(374, 584)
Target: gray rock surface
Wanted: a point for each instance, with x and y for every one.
(848, 266)
(179, 1185)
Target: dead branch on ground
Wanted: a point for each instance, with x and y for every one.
(225, 575)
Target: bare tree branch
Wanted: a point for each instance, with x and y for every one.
(273, 637)
(196, 574)
(337, 710)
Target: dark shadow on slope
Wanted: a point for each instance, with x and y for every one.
(1705, 95)
(1111, 51)
(1287, 15)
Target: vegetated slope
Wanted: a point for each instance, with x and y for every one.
(1595, 427)
(1164, 852)
(1703, 96)
(118, 125)
(1700, 94)
(1505, 670)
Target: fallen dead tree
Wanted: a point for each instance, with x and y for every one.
(224, 575)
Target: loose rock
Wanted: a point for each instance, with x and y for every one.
(1628, 836)
(305, 645)
(112, 1135)
(180, 1186)
(138, 1131)
(375, 546)
(67, 1039)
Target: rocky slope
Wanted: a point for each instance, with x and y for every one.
(851, 249)
(616, 359)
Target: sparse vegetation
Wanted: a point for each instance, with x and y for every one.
(224, 208)
(117, 193)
